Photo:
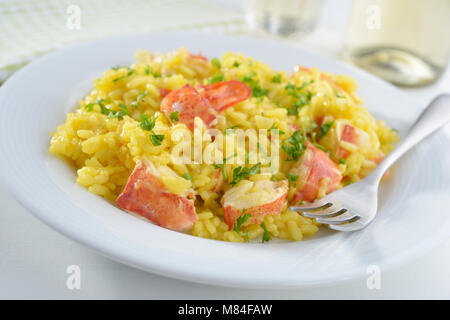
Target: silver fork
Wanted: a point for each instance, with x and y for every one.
(355, 206)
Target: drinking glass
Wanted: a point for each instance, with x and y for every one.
(406, 42)
(283, 18)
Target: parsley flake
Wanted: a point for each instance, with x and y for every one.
(100, 102)
(187, 176)
(156, 139)
(242, 173)
(294, 146)
(257, 90)
(277, 78)
(274, 127)
(216, 63)
(221, 166)
(146, 123)
(237, 226)
(130, 72)
(174, 116)
(119, 113)
(218, 77)
(292, 178)
(324, 128)
(266, 237)
(139, 99)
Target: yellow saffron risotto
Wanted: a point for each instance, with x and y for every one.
(104, 141)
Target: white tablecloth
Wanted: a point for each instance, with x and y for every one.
(34, 258)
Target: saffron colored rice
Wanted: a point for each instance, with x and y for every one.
(105, 149)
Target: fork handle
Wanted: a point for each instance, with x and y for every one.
(436, 115)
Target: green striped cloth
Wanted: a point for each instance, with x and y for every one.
(29, 28)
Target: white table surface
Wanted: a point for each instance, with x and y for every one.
(34, 258)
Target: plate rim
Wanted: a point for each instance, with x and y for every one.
(171, 272)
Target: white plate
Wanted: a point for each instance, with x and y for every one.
(412, 216)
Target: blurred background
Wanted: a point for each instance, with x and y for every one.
(406, 42)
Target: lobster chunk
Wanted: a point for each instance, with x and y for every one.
(145, 194)
(350, 134)
(187, 104)
(314, 166)
(259, 198)
(222, 95)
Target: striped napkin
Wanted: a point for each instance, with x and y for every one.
(29, 28)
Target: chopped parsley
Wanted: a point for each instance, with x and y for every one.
(187, 176)
(108, 112)
(119, 113)
(216, 63)
(236, 64)
(130, 72)
(103, 110)
(312, 126)
(341, 161)
(242, 173)
(290, 88)
(317, 145)
(257, 90)
(237, 226)
(324, 128)
(249, 77)
(218, 77)
(222, 165)
(148, 124)
(274, 127)
(266, 155)
(347, 182)
(156, 139)
(266, 237)
(174, 116)
(277, 78)
(229, 130)
(301, 98)
(294, 146)
(149, 71)
(139, 99)
(116, 68)
(90, 106)
(292, 178)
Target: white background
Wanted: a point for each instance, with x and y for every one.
(34, 258)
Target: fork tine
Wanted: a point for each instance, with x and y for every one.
(351, 218)
(348, 227)
(311, 207)
(324, 215)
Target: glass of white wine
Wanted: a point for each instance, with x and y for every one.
(406, 42)
(284, 18)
